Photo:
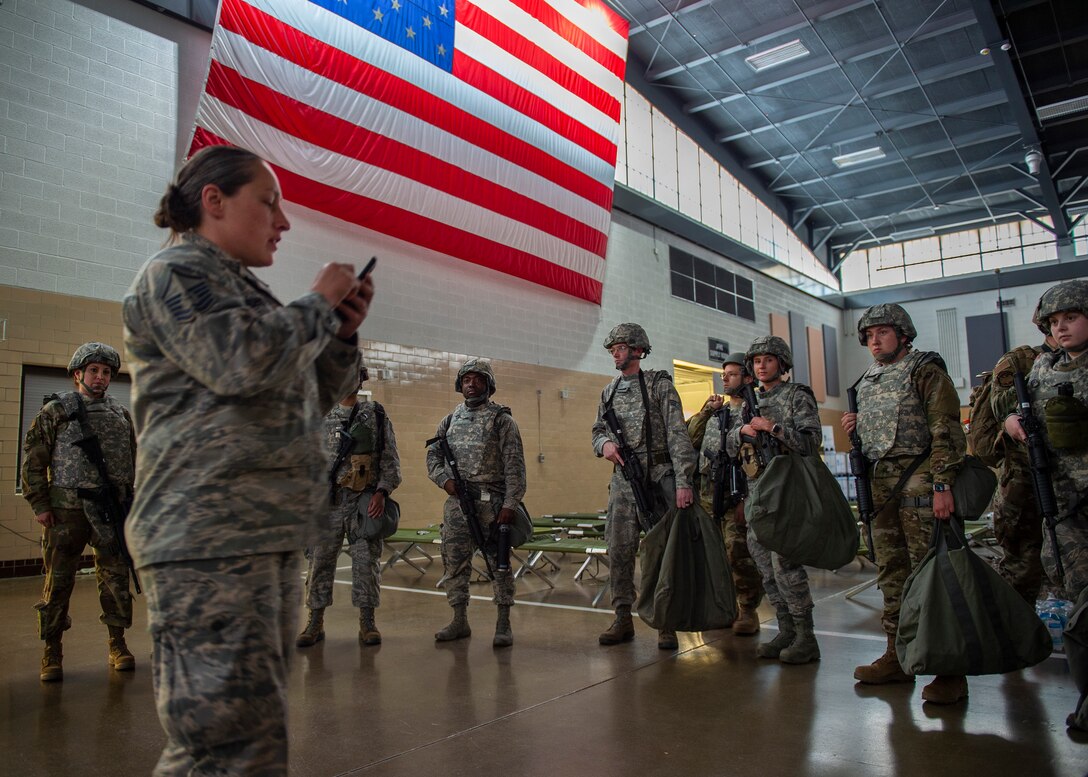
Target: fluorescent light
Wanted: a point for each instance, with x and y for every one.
(1063, 108)
(858, 157)
(911, 234)
(779, 55)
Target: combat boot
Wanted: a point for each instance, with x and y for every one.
(786, 634)
(666, 640)
(368, 631)
(747, 622)
(315, 629)
(621, 630)
(945, 689)
(803, 649)
(504, 635)
(51, 662)
(884, 670)
(120, 658)
(458, 628)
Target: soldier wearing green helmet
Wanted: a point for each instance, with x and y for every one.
(1058, 390)
(57, 476)
(908, 420)
(649, 411)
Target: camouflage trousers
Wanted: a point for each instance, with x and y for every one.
(1018, 527)
(62, 546)
(366, 574)
(901, 537)
(746, 577)
(458, 550)
(223, 632)
(785, 582)
(622, 531)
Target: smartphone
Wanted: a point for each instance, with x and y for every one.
(369, 266)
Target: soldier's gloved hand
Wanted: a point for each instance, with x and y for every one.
(506, 515)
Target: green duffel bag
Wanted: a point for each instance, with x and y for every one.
(366, 528)
(959, 617)
(798, 510)
(686, 582)
(973, 489)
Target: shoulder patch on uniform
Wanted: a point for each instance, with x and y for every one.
(185, 294)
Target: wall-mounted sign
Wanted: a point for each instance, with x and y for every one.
(717, 350)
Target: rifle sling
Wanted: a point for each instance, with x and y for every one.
(343, 450)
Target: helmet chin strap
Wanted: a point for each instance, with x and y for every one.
(91, 391)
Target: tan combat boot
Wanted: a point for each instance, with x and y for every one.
(747, 622)
(504, 635)
(621, 630)
(314, 631)
(120, 658)
(458, 628)
(945, 689)
(368, 631)
(884, 670)
(51, 662)
(787, 632)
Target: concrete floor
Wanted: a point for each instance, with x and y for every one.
(555, 704)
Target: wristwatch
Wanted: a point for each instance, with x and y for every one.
(776, 429)
(939, 488)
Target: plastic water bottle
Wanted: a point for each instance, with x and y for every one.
(1051, 612)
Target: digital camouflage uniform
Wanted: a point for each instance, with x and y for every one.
(671, 465)
(487, 446)
(706, 436)
(903, 409)
(357, 473)
(53, 470)
(1018, 525)
(231, 388)
(793, 407)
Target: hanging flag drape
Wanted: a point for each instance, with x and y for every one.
(485, 130)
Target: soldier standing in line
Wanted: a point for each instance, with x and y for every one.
(366, 469)
(788, 413)
(1018, 525)
(705, 429)
(55, 470)
(909, 422)
(1058, 386)
(650, 412)
(231, 387)
(486, 444)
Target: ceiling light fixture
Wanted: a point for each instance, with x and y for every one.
(859, 157)
(1063, 108)
(779, 55)
(911, 234)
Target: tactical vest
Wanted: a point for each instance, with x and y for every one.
(473, 436)
(887, 394)
(70, 466)
(359, 469)
(627, 401)
(1071, 467)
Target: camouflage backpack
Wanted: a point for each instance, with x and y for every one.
(985, 428)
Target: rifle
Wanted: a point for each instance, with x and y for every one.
(632, 471)
(721, 470)
(859, 468)
(114, 511)
(468, 505)
(766, 448)
(1039, 464)
(344, 443)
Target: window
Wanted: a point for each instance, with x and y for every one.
(703, 283)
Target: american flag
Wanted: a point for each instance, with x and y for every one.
(485, 130)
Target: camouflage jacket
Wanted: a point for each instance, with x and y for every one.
(711, 441)
(925, 410)
(793, 407)
(1014, 456)
(231, 389)
(357, 472)
(486, 443)
(673, 451)
(53, 468)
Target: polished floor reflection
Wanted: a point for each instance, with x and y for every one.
(554, 704)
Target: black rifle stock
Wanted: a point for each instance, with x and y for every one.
(766, 447)
(106, 495)
(632, 471)
(859, 468)
(467, 502)
(721, 470)
(1039, 463)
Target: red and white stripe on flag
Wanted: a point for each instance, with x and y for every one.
(501, 152)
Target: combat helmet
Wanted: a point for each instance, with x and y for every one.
(631, 334)
(97, 353)
(738, 359)
(887, 314)
(481, 367)
(1040, 323)
(1070, 295)
(773, 345)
